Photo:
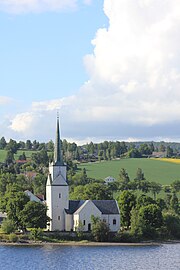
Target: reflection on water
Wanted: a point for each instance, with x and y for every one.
(163, 257)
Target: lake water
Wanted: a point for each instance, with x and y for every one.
(163, 257)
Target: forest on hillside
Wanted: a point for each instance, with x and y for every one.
(106, 150)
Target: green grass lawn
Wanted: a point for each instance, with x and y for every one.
(2, 155)
(16, 156)
(154, 170)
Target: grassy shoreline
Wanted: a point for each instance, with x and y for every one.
(86, 243)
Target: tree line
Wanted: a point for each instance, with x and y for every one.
(106, 150)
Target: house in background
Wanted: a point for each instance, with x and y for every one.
(33, 197)
(109, 179)
(2, 216)
(67, 214)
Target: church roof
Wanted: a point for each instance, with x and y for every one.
(107, 207)
(73, 206)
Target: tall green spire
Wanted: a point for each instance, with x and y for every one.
(57, 149)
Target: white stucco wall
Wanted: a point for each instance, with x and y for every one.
(84, 213)
(109, 221)
(68, 222)
(56, 170)
(57, 201)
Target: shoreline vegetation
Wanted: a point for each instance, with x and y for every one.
(89, 243)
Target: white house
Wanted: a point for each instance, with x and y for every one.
(66, 214)
(109, 179)
(32, 197)
(2, 216)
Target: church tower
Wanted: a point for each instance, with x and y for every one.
(57, 190)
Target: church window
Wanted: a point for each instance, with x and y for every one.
(59, 217)
(114, 221)
(59, 195)
(84, 222)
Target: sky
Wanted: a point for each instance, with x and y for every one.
(110, 67)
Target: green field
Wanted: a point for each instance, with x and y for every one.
(154, 170)
(16, 156)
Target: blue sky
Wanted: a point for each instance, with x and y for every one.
(42, 54)
(111, 67)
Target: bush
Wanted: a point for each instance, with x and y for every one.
(126, 237)
(36, 234)
(100, 230)
(172, 224)
(7, 226)
(13, 237)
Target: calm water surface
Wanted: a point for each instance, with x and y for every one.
(163, 257)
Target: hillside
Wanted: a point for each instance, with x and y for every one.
(16, 156)
(154, 170)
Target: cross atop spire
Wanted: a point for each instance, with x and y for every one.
(57, 149)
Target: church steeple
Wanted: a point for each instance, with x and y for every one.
(57, 149)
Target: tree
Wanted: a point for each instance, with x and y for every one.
(3, 143)
(127, 200)
(144, 149)
(139, 175)
(141, 182)
(93, 191)
(7, 226)
(161, 203)
(50, 146)
(84, 178)
(170, 152)
(28, 145)
(100, 155)
(176, 185)
(5, 180)
(12, 146)
(171, 223)
(144, 200)
(34, 215)
(174, 203)
(9, 157)
(137, 225)
(35, 145)
(151, 215)
(79, 229)
(100, 229)
(146, 221)
(78, 193)
(13, 203)
(40, 158)
(155, 188)
(123, 180)
(133, 153)
(22, 156)
(21, 145)
(39, 184)
(98, 191)
(162, 148)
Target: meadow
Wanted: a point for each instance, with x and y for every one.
(16, 156)
(154, 169)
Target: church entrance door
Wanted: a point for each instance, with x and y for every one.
(89, 227)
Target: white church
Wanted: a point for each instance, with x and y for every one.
(65, 214)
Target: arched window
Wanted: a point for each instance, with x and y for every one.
(114, 221)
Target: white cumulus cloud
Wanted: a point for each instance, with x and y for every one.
(138, 58)
(134, 74)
